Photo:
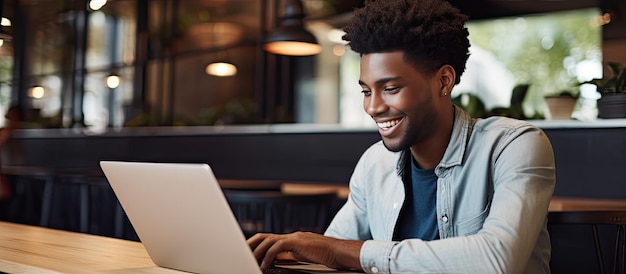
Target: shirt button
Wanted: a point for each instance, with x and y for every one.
(444, 218)
(374, 269)
(395, 205)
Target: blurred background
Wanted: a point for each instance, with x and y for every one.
(97, 64)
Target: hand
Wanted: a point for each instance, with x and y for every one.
(307, 247)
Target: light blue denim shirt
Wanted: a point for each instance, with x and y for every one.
(494, 185)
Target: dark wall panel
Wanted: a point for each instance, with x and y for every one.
(590, 161)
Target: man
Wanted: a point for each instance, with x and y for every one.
(441, 193)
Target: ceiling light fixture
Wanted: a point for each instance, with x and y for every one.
(221, 69)
(3, 22)
(291, 38)
(36, 92)
(97, 4)
(113, 80)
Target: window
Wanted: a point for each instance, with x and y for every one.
(6, 73)
(551, 51)
(110, 53)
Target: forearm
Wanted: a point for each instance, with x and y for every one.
(347, 254)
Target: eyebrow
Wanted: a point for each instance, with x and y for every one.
(382, 80)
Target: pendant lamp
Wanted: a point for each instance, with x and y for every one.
(113, 80)
(221, 69)
(4, 36)
(36, 92)
(291, 38)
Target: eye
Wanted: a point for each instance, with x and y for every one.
(391, 89)
(366, 92)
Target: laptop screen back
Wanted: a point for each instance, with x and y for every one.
(181, 216)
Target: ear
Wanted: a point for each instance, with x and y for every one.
(447, 77)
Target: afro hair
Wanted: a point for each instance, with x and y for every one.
(431, 33)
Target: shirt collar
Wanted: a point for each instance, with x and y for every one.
(461, 132)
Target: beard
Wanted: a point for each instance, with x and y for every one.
(417, 129)
(408, 138)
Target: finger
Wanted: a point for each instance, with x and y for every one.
(284, 256)
(273, 249)
(261, 247)
(256, 239)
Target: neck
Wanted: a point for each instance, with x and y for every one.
(429, 153)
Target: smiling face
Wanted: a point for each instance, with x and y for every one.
(409, 107)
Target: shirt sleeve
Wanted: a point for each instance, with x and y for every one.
(351, 220)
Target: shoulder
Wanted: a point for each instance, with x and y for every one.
(502, 132)
(498, 123)
(504, 127)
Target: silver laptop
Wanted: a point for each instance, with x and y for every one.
(181, 216)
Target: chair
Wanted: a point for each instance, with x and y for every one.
(278, 212)
(75, 201)
(595, 218)
(33, 188)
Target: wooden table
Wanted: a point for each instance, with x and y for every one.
(557, 204)
(560, 204)
(591, 212)
(33, 249)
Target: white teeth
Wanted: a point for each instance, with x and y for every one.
(388, 124)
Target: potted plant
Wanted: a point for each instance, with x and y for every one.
(561, 105)
(612, 89)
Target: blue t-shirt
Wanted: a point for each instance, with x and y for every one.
(418, 217)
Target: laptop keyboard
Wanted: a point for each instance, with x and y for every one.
(278, 270)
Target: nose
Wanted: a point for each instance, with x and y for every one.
(374, 104)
